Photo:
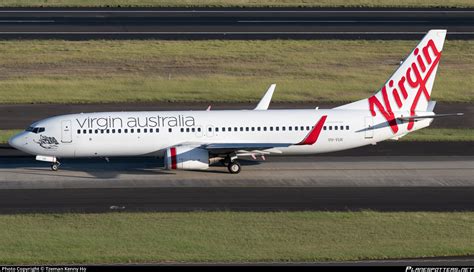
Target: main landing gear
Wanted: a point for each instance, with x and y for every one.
(232, 164)
(55, 166)
(234, 167)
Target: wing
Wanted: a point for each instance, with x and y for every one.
(249, 149)
(244, 148)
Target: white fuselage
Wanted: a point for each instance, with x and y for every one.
(109, 134)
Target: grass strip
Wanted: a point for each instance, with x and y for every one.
(232, 236)
(6, 134)
(423, 135)
(54, 71)
(440, 134)
(236, 3)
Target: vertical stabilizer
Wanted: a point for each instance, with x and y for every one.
(409, 88)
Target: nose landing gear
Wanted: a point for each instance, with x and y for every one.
(55, 166)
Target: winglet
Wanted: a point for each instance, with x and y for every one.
(313, 135)
(265, 101)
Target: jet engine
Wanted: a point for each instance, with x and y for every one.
(186, 157)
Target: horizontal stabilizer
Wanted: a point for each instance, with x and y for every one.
(408, 118)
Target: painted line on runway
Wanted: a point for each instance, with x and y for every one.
(236, 11)
(225, 33)
(328, 21)
(27, 21)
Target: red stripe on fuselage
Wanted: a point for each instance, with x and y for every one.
(173, 158)
(314, 134)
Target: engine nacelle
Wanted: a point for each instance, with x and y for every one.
(184, 157)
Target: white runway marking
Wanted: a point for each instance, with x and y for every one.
(237, 11)
(226, 33)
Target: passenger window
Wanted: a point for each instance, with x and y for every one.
(41, 129)
(330, 127)
(217, 129)
(157, 130)
(132, 130)
(347, 127)
(187, 129)
(271, 128)
(151, 130)
(119, 130)
(125, 131)
(102, 131)
(264, 128)
(229, 129)
(302, 128)
(209, 129)
(138, 130)
(108, 131)
(96, 131)
(90, 131)
(253, 128)
(258, 128)
(199, 129)
(296, 128)
(277, 128)
(145, 130)
(235, 128)
(290, 128)
(307, 127)
(283, 128)
(247, 129)
(335, 127)
(193, 129)
(324, 128)
(113, 130)
(171, 130)
(241, 129)
(223, 129)
(78, 131)
(84, 131)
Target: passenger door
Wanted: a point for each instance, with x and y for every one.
(66, 131)
(369, 127)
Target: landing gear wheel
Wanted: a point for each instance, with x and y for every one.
(234, 167)
(55, 166)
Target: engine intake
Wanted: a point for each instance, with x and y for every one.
(184, 157)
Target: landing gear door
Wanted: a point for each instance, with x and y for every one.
(66, 131)
(369, 127)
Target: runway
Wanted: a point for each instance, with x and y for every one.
(436, 183)
(253, 23)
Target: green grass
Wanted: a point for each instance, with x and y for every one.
(6, 134)
(235, 3)
(232, 236)
(425, 135)
(441, 134)
(36, 71)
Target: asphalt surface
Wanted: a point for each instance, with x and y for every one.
(233, 23)
(13, 116)
(424, 183)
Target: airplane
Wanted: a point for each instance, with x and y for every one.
(195, 139)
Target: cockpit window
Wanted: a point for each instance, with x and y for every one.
(35, 129)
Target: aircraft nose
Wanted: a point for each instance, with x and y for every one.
(16, 141)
